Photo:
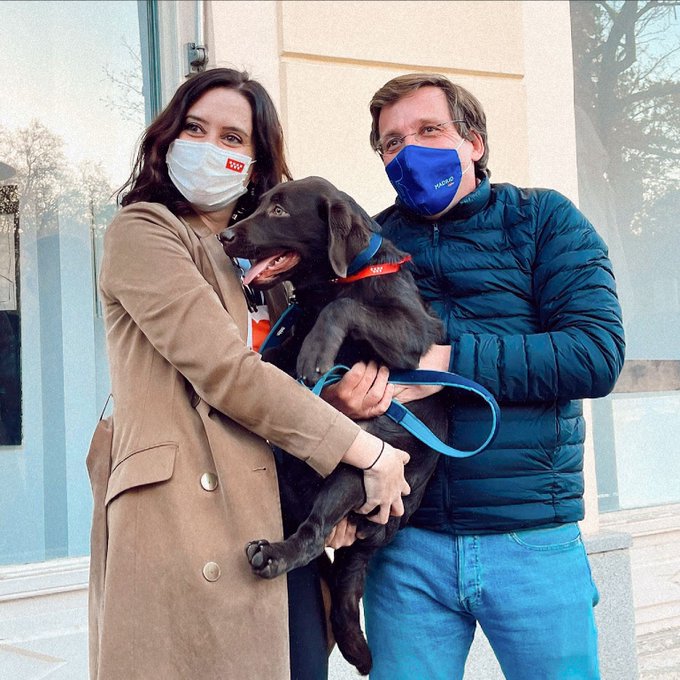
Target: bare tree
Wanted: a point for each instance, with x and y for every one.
(629, 88)
(627, 96)
(128, 94)
(42, 172)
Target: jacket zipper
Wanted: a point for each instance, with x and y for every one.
(435, 246)
(446, 500)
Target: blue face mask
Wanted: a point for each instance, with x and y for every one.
(426, 179)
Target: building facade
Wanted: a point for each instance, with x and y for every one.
(582, 97)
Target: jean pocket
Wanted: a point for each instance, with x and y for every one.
(558, 538)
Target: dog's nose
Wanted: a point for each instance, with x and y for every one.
(228, 235)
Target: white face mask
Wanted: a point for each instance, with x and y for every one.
(209, 178)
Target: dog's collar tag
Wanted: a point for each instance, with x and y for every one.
(365, 256)
(374, 270)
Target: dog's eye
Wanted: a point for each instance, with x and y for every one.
(278, 211)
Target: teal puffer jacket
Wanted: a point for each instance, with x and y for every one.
(526, 291)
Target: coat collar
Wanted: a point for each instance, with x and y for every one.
(224, 279)
(472, 203)
(198, 226)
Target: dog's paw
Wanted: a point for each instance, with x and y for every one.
(310, 368)
(262, 560)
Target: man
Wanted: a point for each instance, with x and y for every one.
(526, 292)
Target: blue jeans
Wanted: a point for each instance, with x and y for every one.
(530, 591)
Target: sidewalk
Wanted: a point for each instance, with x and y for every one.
(53, 646)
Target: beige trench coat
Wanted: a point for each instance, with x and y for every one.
(187, 478)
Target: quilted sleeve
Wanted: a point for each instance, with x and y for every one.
(580, 351)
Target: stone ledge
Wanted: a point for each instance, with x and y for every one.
(43, 578)
(606, 541)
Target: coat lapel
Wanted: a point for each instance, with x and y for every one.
(223, 275)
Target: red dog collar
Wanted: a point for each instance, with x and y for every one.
(373, 270)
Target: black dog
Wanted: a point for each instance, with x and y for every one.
(309, 233)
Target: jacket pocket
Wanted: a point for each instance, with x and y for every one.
(146, 466)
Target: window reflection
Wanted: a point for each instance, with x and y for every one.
(627, 98)
(67, 130)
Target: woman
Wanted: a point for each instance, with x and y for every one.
(192, 477)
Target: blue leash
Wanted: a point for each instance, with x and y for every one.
(396, 411)
(402, 416)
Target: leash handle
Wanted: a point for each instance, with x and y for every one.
(402, 416)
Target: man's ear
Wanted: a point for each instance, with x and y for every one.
(348, 233)
(477, 147)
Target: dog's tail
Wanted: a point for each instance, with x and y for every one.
(349, 575)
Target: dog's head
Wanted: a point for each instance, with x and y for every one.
(302, 231)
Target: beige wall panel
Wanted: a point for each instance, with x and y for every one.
(468, 36)
(244, 35)
(549, 81)
(325, 113)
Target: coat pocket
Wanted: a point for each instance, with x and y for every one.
(146, 466)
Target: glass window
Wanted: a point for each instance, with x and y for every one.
(72, 110)
(627, 98)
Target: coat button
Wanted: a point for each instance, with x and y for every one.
(209, 481)
(211, 571)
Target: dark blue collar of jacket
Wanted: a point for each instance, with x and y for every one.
(469, 205)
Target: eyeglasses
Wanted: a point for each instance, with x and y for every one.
(393, 144)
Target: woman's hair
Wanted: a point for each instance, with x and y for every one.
(463, 105)
(149, 180)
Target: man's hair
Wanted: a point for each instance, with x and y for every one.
(463, 105)
(150, 181)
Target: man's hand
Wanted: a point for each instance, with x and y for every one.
(343, 534)
(437, 358)
(362, 392)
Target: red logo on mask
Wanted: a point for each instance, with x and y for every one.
(233, 164)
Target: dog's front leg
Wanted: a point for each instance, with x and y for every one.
(323, 342)
(342, 491)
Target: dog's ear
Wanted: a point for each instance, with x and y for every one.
(349, 232)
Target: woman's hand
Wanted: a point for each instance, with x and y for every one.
(385, 485)
(362, 392)
(384, 482)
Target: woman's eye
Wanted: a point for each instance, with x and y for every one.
(192, 127)
(233, 140)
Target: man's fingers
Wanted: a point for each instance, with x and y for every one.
(378, 386)
(352, 379)
(343, 534)
(386, 400)
(331, 536)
